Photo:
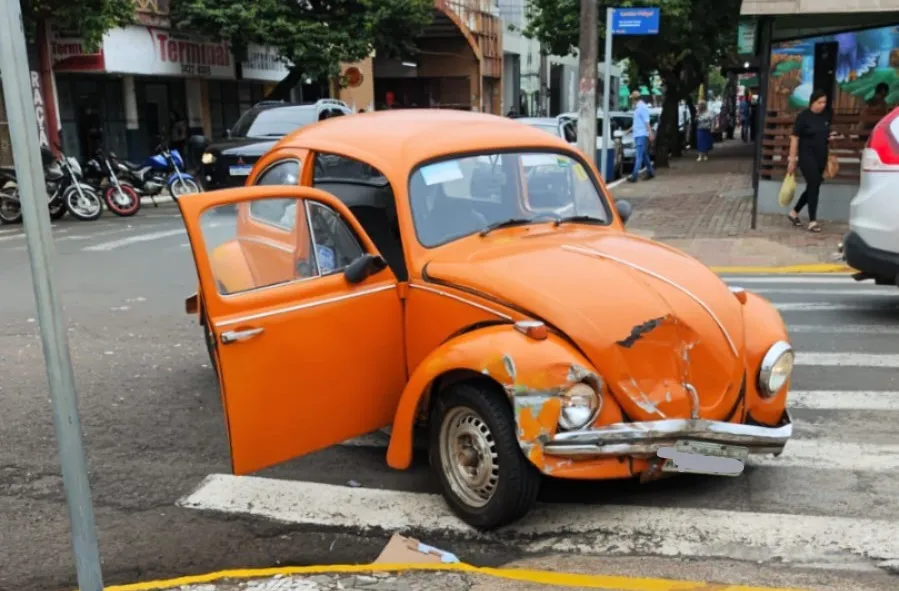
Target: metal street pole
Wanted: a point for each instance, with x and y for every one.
(587, 49)
(29, 170)
(606, 90)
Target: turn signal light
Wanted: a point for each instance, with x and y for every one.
(533, 329)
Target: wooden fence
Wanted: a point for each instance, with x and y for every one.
(853, 128)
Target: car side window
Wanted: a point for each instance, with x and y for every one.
(277, 212)
(336, 245)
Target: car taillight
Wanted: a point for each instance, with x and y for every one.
(881, 154)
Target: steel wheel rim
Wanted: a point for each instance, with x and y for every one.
(469, 457)
(88, 203)
(184, 187)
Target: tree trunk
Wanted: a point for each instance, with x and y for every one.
(667, 128)
(281, 91)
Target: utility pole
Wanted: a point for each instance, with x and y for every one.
(29, 170)
(587, 66)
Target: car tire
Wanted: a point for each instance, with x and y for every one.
(476, 412)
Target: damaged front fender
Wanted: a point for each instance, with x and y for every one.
(533, 373)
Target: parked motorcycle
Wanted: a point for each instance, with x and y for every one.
(81, 200)
(10, 206)
(162, 170)
(120, 197)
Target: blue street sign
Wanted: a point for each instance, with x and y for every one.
(635, 21)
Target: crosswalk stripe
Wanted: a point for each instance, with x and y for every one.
(605, 529)
(824, 307)
(847, 359)
(148, 237)
(838, 280)
(858, 329)
(860, 291)
(843, 400)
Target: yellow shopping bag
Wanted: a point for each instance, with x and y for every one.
(787, 190)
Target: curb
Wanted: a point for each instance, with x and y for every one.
(828, 268)
(608, 582)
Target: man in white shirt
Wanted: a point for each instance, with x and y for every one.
(643, 138)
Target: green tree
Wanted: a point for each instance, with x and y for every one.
(312, 37)
(89, 19)
(693, 36)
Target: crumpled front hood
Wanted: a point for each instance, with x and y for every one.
(661, 328)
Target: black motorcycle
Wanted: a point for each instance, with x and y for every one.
(10, 205)
(120, 197)
(83, 202)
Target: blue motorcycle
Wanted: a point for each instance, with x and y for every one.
(162, 170)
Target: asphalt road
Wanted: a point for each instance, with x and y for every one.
(154, 434)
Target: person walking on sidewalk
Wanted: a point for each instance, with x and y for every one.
(745, 110)
(704, 123)
(643, 138)
(809, 150)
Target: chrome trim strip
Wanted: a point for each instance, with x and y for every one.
(460, 299)
(587, 251)
(647, 437)
(312, 304)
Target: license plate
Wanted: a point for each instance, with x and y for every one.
(698, 457)
(240, 170)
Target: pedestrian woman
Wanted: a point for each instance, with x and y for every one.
(704, 122)
(808, 151)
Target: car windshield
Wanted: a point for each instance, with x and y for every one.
(276, 122)
(468, 194)
(553, 129)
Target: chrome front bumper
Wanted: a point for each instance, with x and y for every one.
(646, 438)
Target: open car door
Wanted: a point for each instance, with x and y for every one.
(306, 320)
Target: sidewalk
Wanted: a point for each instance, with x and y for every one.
(705, 210)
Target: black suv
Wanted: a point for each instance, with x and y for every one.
(228, 162)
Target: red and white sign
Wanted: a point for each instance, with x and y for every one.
(69, 55)
(162, 52)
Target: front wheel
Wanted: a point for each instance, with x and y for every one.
(122, 200)
(10, 210)
(183, 186)
(474, 452)
(86, 206)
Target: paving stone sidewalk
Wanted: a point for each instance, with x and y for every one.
(705, 209)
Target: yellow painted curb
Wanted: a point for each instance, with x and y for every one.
(836, 268)
(611, 582)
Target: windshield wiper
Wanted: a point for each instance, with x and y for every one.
(505, 224)
(580, 218)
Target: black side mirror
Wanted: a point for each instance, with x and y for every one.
(625, 209)
(364, 267)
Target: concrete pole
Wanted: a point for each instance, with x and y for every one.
(587, 49)
(29, 170)
(606, 92)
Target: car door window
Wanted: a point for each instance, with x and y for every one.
(336, 246)
(277, 212)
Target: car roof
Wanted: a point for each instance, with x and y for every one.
(538, 120)
(396, 140)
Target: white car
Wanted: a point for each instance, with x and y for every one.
(872, 244)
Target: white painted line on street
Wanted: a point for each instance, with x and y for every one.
(595, 529)
(848, 359)
(614, 184)
(861, 291)
(825, 454)
(822, 307)
(844, 399)
(859, 329)
(114, 244)
(839, 280)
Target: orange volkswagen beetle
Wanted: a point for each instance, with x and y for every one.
(472, 274)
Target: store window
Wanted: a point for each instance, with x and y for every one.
(229, 100)
(92, 115)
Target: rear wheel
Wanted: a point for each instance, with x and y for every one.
(85, 206)
(475, 455)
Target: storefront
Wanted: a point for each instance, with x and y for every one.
(144, 80)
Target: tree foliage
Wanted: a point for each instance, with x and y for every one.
(314, 36)
(693, 36)
(88, 19)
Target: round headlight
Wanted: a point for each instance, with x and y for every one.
(777, 365)
(208, 158)
(580, 405)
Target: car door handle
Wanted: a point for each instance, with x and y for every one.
(233, 336)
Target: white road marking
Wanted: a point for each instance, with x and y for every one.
(858, 329)
(595, 529)
(818, 279)
(888, 292)
(114, 244)
(822, 454)
(843, 400)
(822, 307)
(848, 359)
